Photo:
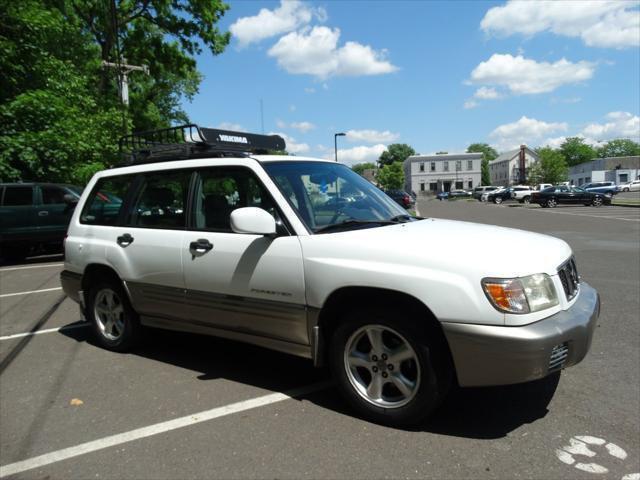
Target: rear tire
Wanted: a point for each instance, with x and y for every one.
(497, 200)
(115, 324)
(552, 203)
(597, 202)
(397, 379)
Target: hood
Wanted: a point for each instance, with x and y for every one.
(447, 245)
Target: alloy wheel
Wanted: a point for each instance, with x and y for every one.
(109, 313)
(552, 202)
(597, 201)
(382, 366)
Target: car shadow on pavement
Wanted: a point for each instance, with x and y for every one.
(479, 413)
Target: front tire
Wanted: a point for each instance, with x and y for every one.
(552, 203)
(526, 200)
(597, 201)
(115, 324)
(497, 200)
(388, 369)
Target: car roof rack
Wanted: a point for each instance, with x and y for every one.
(190, 141)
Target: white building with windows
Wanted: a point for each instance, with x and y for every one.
(442, 173)
(611, 169)
(505, 169)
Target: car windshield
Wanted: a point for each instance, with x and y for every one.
(330, 196)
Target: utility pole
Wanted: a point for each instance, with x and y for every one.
(123, 75)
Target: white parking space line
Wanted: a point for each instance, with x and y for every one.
(29, 292)
(636, 219)
(10, 269)
(162, 427)
(46, 330)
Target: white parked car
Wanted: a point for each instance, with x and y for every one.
(249, 247)
(632, 186)
(522, 193)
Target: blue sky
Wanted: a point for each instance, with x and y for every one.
(435, 75)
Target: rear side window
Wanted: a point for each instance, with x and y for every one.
(105, 201)
(162, 201)
(18, 196)
(52, 195)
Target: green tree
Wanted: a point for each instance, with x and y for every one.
(391, 176)
(622, 147)
(359, 168)
(165, 35)
(396, 152)
(488, 153)
(60, 111)
(51, 123)
(576, 151)
(551, 168)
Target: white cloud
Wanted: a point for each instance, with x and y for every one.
(598, 23)
(525, 76)
(360, 154)
(292, 145)
(289, 16)
(316, 52)
(527, 131)
(371, 136)
(486, 93)
(230, 126)
(302, 127)
(469, 104)
(619, 125)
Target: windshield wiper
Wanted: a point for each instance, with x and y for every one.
(404, 218)
(353, 223)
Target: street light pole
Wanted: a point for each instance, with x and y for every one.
(335, 142)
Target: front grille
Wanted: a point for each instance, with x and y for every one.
(558, 357)
(568, 274)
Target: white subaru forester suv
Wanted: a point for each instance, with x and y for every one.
(304, 256)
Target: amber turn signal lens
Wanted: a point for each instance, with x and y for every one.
(498, 294)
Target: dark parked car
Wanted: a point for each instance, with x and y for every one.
(34, 215)
(401, 197)
(500, 196)
(608, 188)
(562, 194)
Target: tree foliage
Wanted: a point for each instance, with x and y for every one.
(60, 111)
(622, 147)
(576, 151)
(551, 168)
(396, 152)
(391, 176)
(488, 153)
(359, 168)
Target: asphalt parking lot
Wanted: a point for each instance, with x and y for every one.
(184, 406)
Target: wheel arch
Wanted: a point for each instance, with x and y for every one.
(95, 271)
(346, 299)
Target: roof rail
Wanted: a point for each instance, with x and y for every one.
(191, 141)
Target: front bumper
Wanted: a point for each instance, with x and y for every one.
(492, 355)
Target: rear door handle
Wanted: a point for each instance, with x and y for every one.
(125, 240)
(201, 245)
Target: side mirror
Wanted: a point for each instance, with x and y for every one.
(252, 220)
(70, 199)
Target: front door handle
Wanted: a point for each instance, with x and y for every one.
(43, 213)
(201, 245)
(125, 240)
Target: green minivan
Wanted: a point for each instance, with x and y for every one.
(34, 216)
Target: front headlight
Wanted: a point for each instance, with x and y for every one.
(521, 295)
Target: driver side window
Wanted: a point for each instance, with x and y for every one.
(220, 191)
